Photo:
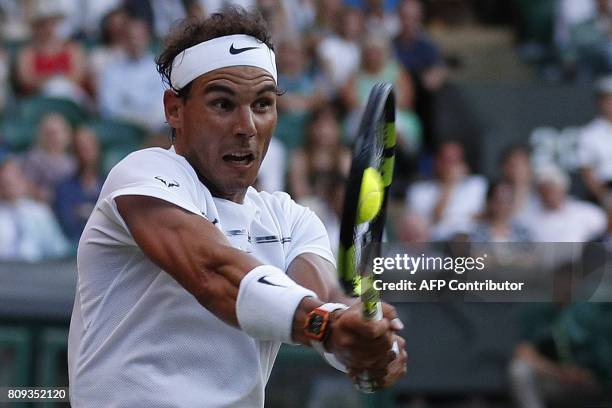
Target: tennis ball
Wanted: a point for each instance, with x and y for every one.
(370, 195)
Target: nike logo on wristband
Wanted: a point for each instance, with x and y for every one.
(235, 51)
(267, 282)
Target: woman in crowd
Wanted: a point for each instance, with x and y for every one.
(323, 154)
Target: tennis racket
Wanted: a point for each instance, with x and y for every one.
(374, 153)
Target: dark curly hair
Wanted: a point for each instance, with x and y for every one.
(189, 32)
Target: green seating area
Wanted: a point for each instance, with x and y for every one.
(19, 126)
(33, 355)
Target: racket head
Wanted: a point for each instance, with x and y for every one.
(374, 147)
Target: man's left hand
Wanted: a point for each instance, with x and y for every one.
(390, 374)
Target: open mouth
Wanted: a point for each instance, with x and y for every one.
(241, 159)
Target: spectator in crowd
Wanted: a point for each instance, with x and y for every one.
(300, 14)
(340, 53)
(568, 14)
(48, 162)
(112, 47)
(49, 64)
(303, 92)
(273, 12)
(14, 24)
(28, 230)
(422, 59)
(496, 223)
(159, 15)
(130, 89)
(589, 47)
(322, 155)
(324, 25)
(378, 21)
(516, 171)
(595, 144)
(558, 217)
(564, 358)
(329, 205)
(378, 65)
(453, 198)
(272, 171)
(82, 17)
(76, 196)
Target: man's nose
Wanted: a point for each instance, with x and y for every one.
(245, 123)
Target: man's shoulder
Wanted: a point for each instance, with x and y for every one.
(151, 155)
(159, 165)
(278, 204)
(276, 199)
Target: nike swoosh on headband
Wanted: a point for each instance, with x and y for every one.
(235, 51)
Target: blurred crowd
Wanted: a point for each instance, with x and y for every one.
(79, 90)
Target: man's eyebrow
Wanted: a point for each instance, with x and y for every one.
(219, 88)
(267, 88)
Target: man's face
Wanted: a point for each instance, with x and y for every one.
(411, 17)
(224, 127)
(552, 194)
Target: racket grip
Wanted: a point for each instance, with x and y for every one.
(372, 311)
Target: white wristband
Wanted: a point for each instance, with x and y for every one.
(266, 303)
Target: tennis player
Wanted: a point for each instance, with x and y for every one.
(189, 279)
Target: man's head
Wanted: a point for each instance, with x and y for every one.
(86, 148)
(291, 57)
(350, 24)
(516, 165)
(221, 103)
(449, 162)
(553, 184)
(138, 38)
(499, 200)
(13, 185)
(411, 18)
(374, 55)
(54, 134)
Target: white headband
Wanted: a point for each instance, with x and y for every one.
(221, 52)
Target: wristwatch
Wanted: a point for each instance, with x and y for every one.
(318, 324)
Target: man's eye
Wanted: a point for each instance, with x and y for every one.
(222, 104)
(263, 104)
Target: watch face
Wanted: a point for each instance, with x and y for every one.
(316, 324)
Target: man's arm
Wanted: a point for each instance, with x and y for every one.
(199, 257)
(189, 248)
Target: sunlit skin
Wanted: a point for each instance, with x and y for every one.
(223, 128)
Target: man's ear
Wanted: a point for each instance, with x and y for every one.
(173, 108)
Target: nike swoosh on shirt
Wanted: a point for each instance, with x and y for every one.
(235, 51)
(267, 282)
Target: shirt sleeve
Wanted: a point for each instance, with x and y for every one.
(152, 173)
(308, 234)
